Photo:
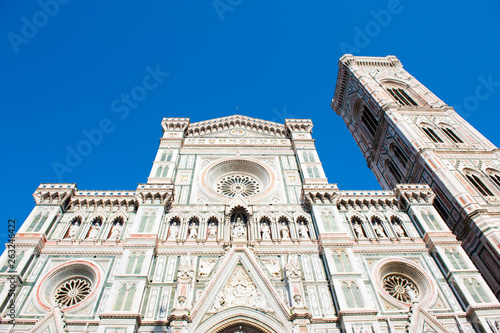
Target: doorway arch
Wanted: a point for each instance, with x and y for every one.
(250, 320)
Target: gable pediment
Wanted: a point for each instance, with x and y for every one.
(236, 126)
(239, 282)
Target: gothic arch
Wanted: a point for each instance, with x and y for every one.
(118, 215)
(97, 215)
(244, 316)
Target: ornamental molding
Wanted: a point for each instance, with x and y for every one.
(419, 194)
(155, 194)
(320, 193)
(236, 121)
(54, 194)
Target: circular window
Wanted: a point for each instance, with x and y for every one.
(72, 292)
(241, 177)
(400, 288)
(401, 282)
(69, 285)
(238, 185)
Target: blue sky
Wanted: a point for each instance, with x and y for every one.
(66, 68)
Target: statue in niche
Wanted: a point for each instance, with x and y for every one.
(239, 228)
(285, 233)
(265, 230)
(379, 230)
(358, 229)
(399, 230)
(193, 230)
(212, 231)
(117, 230)
(94, 231)
(73, 229)
(303, 230)
(174, 230)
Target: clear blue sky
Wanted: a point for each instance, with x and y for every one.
(65, 72)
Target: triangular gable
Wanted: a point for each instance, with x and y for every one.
(239, 281)
(423, 321)
(237, 123)
(53, 322)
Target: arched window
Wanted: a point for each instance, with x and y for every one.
(451, 134)
(158, 171)
(130, 298)
(393, 169)
(475, 290)
(305, 155)
(455, 259)
(163, 156)
(352, 295)
(430, 220)
(400, 155)
(341, 260)
(165, 171)
(134, 263)
(169, 156)
(369, 120)
(316, 172)
(494, 177)
(310, 172)
(121, 296)
(478, 184)
(431, 134)
(147, 222)
(38, 222)
(401, 97)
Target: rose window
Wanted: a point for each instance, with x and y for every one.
(72, 292)
(401, 288)
(238, 185)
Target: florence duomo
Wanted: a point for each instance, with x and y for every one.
(239, 229)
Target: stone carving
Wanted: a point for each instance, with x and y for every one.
(273, 267)
(73, 229)
(116, 231)
(239, 230)
(494, 325)
(174, 230)
(94, 231)
(303, 230)
(212, 231)
(399, 230)
(358, 230)
(193, 230)
(265, 230)
(206, 266)
(379, 230)
(240, 291)
(284, 231)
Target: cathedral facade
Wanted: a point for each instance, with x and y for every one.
(238, 230)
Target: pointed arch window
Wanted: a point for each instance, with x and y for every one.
(159, 171)
(476, 291)
(393, 169)
(38, 222)
(369, 120)
(494, 177)
(135, 263)
(479, 185)
(165, 171)
(308, 157)
(352, 295)
(430, 220)
(455, 259)
(147, 222)
(400, 155)
(163, 156)
(401, 97)
(341, 260)
(432, 135)
(451, 134)
(125, 298)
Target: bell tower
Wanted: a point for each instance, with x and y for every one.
(408, 135)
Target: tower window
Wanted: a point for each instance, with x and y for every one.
(369, 120)
(449, 132)
(400, 155)
(395, 172)
(401, 97)
(431, 134)
(479, 185)
(495, 178)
